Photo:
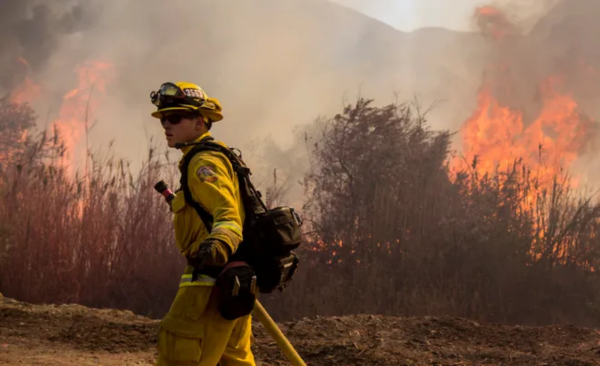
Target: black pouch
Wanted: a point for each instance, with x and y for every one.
(278, 235)
(275, 272)
(280, 229)
(237, 287)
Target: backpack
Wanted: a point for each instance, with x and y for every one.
(270, 236)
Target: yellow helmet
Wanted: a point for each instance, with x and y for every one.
(187, 97)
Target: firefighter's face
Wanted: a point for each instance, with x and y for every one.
(181, 127)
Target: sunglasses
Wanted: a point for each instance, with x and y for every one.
(175, 118)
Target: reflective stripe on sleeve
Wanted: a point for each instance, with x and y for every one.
(202, 280)
(229, 225)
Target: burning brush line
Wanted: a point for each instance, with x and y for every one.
(497, 135)
(78, 104)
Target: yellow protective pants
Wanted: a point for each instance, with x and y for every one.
(194, 333)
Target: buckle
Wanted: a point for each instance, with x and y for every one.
(288, 268)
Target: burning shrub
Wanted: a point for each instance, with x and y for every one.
(396, 233)
(15, 122)
(102, 239)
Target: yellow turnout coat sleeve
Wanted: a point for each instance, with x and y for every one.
(215, 187)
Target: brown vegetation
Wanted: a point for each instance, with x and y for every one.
(102, 239)
(391, 231)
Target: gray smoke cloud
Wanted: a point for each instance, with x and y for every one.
(272, 64)
(31, 32)
(275, 65)
(557, 44)
(568, 38)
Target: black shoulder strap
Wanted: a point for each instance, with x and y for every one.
(250, 196)
(205, 216)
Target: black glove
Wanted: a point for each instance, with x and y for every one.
(213, 253)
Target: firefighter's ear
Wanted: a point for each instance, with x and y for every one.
(200, 122)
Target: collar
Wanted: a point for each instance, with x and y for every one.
(187, 149)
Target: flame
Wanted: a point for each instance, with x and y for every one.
(496, 135)
(78, 105)
(24, 62)
(560, 128)
(28, 91)
(494, 23)
(491, 132)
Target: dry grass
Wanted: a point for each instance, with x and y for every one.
(391, 232)
(104, 239)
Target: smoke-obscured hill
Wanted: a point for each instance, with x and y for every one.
(272, 64)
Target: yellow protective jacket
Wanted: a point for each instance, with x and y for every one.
(193, 332)
(215, 187)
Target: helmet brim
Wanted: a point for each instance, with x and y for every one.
(160, 112)
(212, 116)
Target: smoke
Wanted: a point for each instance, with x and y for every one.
(523, 15)
(552, 38)
(273, 65)
(568, 37)
(543, 63)
(31, 32)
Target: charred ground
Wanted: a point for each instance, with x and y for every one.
(76, 335)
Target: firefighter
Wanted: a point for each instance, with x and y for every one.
(194, 332)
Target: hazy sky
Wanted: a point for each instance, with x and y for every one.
(408, 15)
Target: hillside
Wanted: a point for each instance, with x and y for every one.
(75, 335)
(303, 57)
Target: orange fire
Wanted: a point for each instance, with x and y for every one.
(28, 91)
(497, 135)
(76, 112)
(77, 108)
(494, 22)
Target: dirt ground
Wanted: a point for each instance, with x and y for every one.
(76, 335)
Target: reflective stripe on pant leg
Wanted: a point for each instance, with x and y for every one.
(217, 333)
